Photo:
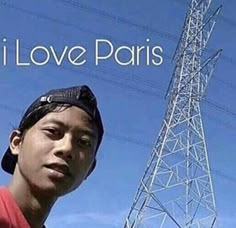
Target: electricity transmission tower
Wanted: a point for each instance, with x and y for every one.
(176, 189)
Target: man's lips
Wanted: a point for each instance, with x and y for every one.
(59, 167)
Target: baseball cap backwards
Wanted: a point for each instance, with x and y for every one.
(80, 96)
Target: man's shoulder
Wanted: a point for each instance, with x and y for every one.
(4, 192)
(4, 207)
(6, 196)
(3, 189)
(6, 200)
(10, 215)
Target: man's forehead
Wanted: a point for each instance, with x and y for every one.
(71, 116)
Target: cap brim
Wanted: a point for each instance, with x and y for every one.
(9, 161)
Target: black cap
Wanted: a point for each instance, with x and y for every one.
(80, 96)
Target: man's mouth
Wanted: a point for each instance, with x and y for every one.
(59, 168)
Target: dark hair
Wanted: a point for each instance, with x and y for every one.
(33, 117)
(57, 100)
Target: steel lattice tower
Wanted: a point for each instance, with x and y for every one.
(176, 189)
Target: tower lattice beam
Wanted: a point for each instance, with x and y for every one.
(176, 189)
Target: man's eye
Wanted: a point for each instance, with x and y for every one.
(53, 131)
(85, 142)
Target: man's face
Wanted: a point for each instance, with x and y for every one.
(57, 152)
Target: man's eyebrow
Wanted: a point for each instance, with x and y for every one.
(55, 121)
(88, 132)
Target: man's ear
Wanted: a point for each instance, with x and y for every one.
(15, 140)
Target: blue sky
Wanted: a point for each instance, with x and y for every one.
(131, 98)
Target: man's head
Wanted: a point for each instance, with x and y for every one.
(57, 139)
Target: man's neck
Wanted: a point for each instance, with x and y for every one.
(34, 205)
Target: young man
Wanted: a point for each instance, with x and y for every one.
(49, 155)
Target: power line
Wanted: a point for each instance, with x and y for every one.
(165, 35)
(91, 32)
(219, 107)
(122, 20)
(119, 19)
(58, 21)
(222, 18)
(127, 139)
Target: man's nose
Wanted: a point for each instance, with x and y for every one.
(65, 147)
